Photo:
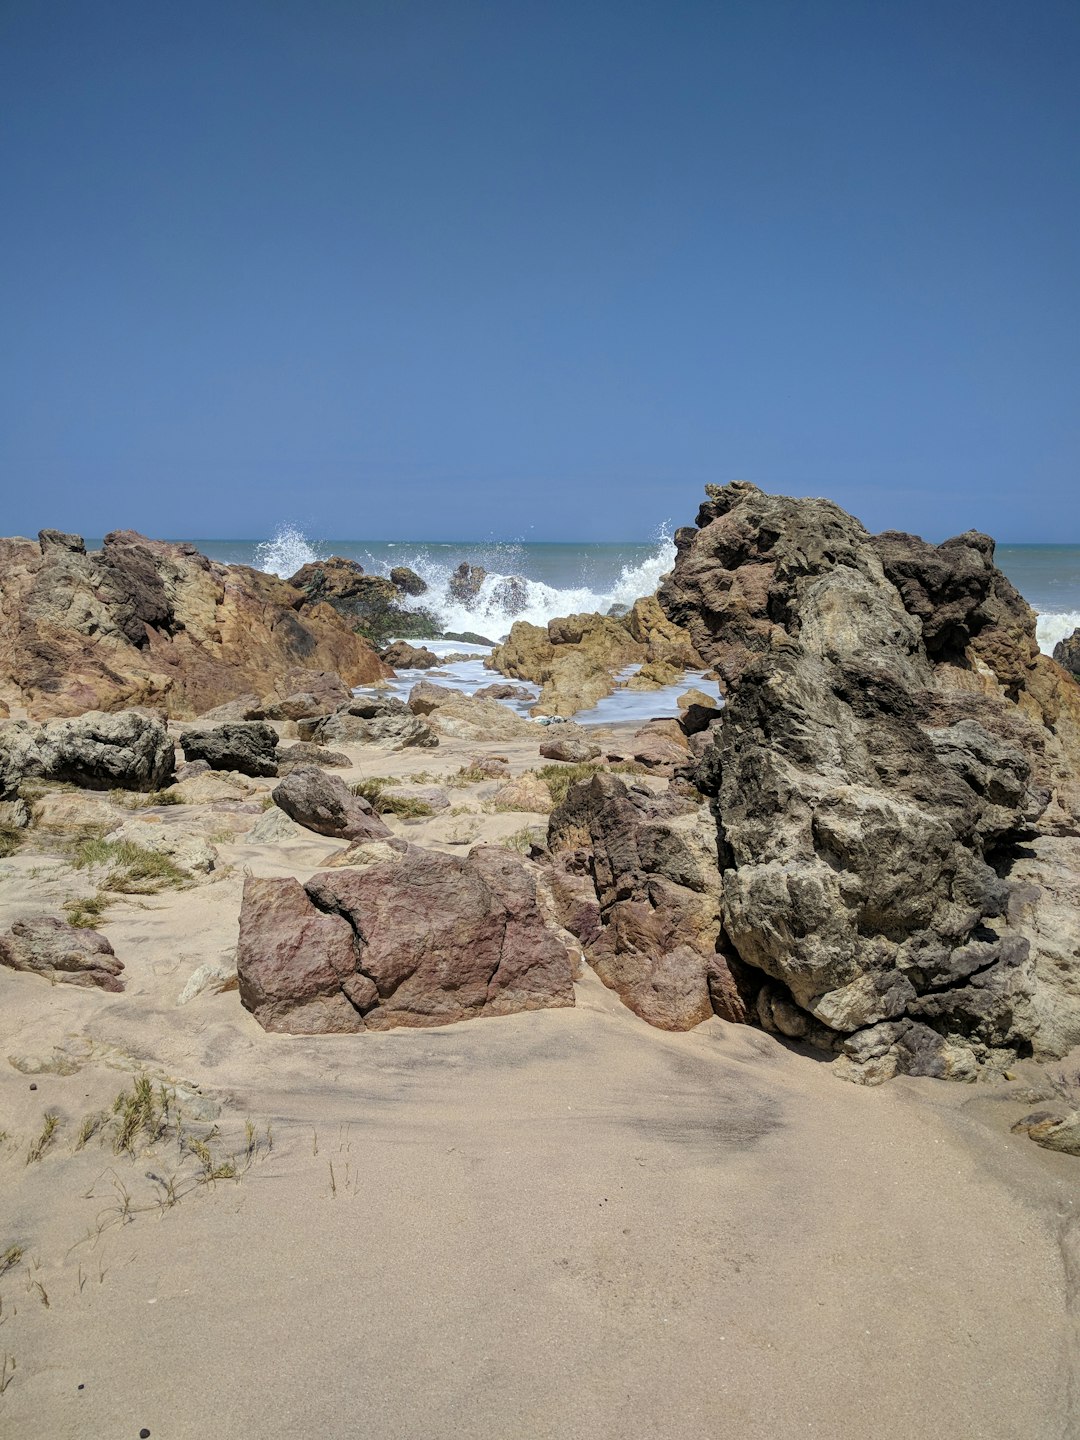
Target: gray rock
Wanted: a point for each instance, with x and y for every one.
(571, 750)
(97, 751)
(385, 722)
(249, 747)
(305, 752)
(1067, 653)
(325, 804)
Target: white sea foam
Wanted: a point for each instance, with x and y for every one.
(285, 553)
(1055, 625)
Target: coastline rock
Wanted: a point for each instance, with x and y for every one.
(1067, 653)
(423, 940)
(325, 804)
(407, 581)
(61, 953)
(571, 750)
(191, 853)
(145, 621)
(504, 692)
(464, 717)
(304, 752)
(574, 659)
(386, 722)
(96, 751)
(1053, 1130)
(464, 584)
(403, 656)
(371, 603)
(873, 774)
(524, 792)
(249, 747)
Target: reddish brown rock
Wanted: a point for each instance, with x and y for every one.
(62, 953)
(325, 804)
(422, 940)
(145, 621)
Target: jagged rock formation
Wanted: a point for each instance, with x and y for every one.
(371, 603)
(97, 751)
(145, 622)
(1067, 653)
(384, 721)
(892, 742)
(325, 804)
(422, 939)
(247, 746)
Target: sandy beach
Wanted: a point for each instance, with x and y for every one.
(563, 1223)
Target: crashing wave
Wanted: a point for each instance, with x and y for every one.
(1055, 625)
(284, 554)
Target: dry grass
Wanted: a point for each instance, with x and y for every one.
(406, 807)
(49, 1126)
(559, 776)
(133, 869)
(137, 800)
(11, 837)
(86, 913)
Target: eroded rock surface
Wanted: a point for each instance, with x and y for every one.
(891, 739)
(249, 747)
(325, 804)
(97, 751)
(147, 622)
(423, 939)
(61, 953)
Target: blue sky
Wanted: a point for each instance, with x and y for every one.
(539, 270)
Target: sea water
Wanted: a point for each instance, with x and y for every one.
(565, 578)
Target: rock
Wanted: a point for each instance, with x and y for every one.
(574, 659)
(407, 581)
(433, 796)
(385, 722)
(525, 792)
(212, 787)
(466, 637)
(145, 621)
(214, 977)
(244, 707)
(61, 953)
(370, 603)
(1044, 907)
(325, 804)
(426, 940)
(14, 814)
(73, 812)
(511, 595)
(490, 767)
(403, 656)
(669, 649)
(249, 747)
(192, 853)
(274, 827)
(464, 584)
(96, 751)
(363, 853)
(660, 745)
(884, 750)
(464, 717)
(504, 692)
(188, 769)
(634, 878)
(574, 752)
(1067, 653)
(654, 675)
(304, 752)
(1053, 1129)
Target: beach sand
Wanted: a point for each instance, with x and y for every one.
(557, 1224)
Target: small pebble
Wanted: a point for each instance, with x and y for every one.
(33, 1084)
(82, 1387)
(144, 1434)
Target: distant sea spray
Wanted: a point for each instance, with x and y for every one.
(563, 579)
(533, 582)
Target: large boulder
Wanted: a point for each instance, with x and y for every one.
(574, 659)
(403, 656)
(370, 603)
(97, 751)
(890, 739)
(634, 877)
(249, 747)
(422, 940)
(1067, 653)
(325, 804)
(46, 946)
(148, 622)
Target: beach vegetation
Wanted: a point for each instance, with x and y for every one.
(133, 869)
(406, 807)
(11, 837)
(87, 912)
(49, 1126)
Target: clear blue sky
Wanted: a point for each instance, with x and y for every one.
(461, 269)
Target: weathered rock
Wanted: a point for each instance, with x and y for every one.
(97, 751)
(49, 947)
(325, 804)
(244, 707)
(1053, 1129)
(464, 717)
(666, 644)
(403, 656)
(464, 584)
(214, 977)
(191, 852)
(304, 752)
(660, 745)
(425, 940)
(147, 621)
(362, 854)
(249, 747)
(574, 659)
(635, 879)
(433, 796)
(504, 692)
(371, 603)
(1067, 653)
(873, 774)
(490, 767)
(14, 814)
(573, 751)
(212, 787)
(385, 722)
(407, 581)
(525, 792)
(274, 827)
(654, 675)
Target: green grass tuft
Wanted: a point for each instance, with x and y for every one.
(133, 869)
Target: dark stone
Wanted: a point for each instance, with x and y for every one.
(249, 746)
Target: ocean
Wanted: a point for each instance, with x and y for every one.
(565, 578)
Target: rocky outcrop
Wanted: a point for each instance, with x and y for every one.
(466, 717)
(570, 749)
(303, 752)
(634, 877)
(97, 751)
(371, 603)
(249, 747)
(403, 656)
(407, 581)
(383, 721)
(1067, 653)
(61, 953)
(885, 751)
(325, 804)
(422, 940)
(465, 583)
(147, 622)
